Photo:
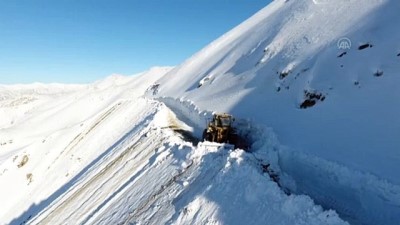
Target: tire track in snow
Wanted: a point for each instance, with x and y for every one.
(55, 200)
(171, 198)
(82, 135)
(158, 194)
(106, 177)
(144, 198)
(117, 181)
(78, 138)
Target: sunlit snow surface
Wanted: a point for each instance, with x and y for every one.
(110, 152)
(103, 154)
(343, 151)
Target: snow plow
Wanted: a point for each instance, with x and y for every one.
(220, 130)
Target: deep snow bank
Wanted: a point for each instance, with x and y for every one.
(183, 184)
(286, 68)
(287, 53)
(128, 166)
(358, 196)
(189, 113)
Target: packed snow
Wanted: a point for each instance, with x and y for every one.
(128, 149)
(106, 154)
(334, 105)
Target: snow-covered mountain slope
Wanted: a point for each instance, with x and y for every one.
(48, 133)
(105, 154)
(119, 151)
(288, 67)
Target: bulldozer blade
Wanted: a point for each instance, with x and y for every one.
(207, 144)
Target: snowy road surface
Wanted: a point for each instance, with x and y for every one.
(142, 172)
(119, 150)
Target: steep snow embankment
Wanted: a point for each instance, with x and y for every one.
(103, 154)
(285, 68)
(154, 177)
(47, 139)
(100, 153)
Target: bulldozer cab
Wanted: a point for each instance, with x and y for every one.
(223, 120)
(221, 130)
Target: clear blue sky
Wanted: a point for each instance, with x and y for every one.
(79, 41)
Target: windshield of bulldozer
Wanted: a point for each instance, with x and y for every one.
(225, 121)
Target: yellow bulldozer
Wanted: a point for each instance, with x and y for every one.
(220, 129)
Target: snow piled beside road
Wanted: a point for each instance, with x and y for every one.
(336, 110)
(106, 154)
(123, 150)
(287, 53)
